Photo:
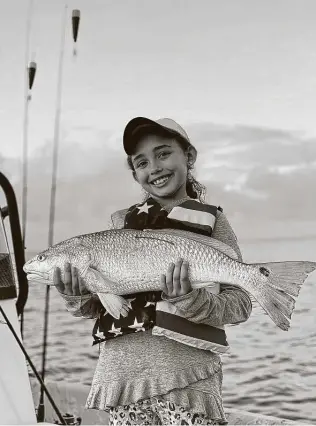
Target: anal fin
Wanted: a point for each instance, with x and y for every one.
(210, 286)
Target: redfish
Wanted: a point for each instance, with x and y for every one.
(119, 262)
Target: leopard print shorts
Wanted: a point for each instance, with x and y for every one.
(156, 411)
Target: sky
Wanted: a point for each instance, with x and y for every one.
(239, 76)
(246, 62)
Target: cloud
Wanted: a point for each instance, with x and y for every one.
(254, 145)
(255, 174)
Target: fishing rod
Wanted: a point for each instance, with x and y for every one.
(61, 418)
(28, 86)
(75, 28)
(41, 407)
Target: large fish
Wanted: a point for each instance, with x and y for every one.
(119, 262)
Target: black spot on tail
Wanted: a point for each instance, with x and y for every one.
(264, 271)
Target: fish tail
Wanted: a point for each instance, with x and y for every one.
(284, 280)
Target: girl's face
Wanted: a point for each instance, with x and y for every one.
(160, 166)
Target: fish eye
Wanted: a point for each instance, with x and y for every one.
(41, 257)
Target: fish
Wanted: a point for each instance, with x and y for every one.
(118, 262)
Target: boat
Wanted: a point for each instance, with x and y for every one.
(63, 403)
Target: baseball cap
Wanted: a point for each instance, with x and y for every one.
(141, 126)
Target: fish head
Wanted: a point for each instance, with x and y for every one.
(41, 267)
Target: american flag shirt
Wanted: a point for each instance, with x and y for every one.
(190, 215)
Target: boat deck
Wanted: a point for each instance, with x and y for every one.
(71, 398)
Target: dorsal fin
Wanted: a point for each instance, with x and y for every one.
(203, 239)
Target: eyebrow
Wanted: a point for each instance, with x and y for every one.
(155, 149)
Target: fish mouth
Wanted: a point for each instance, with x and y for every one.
(37, 276)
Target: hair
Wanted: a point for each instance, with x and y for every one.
(194, 188)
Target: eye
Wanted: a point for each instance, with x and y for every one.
(41, 257)
(141, 164)
(164, 154)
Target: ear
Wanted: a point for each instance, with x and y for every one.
(135, 176)
(191, 154)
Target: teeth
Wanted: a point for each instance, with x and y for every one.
(161, 180)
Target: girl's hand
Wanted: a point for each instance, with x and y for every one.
(176, 282)
(73, 285)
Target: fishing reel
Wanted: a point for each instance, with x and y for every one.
(70, 419)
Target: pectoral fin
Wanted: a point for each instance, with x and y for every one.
(114, 305)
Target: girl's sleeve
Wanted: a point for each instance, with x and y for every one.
(85, 306)
(89, 305)
(231, 306)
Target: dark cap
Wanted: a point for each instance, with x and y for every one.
(140, 126)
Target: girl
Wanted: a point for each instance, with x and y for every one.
(142, 378)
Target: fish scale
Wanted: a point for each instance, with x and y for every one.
(118, 262)
(143, 273)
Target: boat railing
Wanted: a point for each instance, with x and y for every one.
(8, 287)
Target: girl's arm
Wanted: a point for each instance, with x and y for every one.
(231, 306)
(86, 306)
(89, 305)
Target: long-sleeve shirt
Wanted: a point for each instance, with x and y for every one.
(141, 365)
(231, 306)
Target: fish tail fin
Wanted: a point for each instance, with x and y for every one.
(288, 276)
(284, 280)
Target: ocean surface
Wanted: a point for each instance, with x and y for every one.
(269, 371)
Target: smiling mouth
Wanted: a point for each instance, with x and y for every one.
(161, 181)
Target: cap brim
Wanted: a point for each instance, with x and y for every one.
(133, 130)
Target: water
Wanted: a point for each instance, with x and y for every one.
(269, 371)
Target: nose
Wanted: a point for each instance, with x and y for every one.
(155, 167)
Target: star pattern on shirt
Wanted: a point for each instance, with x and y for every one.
(138, 326)
(144, 208)
(149, 303)
(99, 334)
(116, 331)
